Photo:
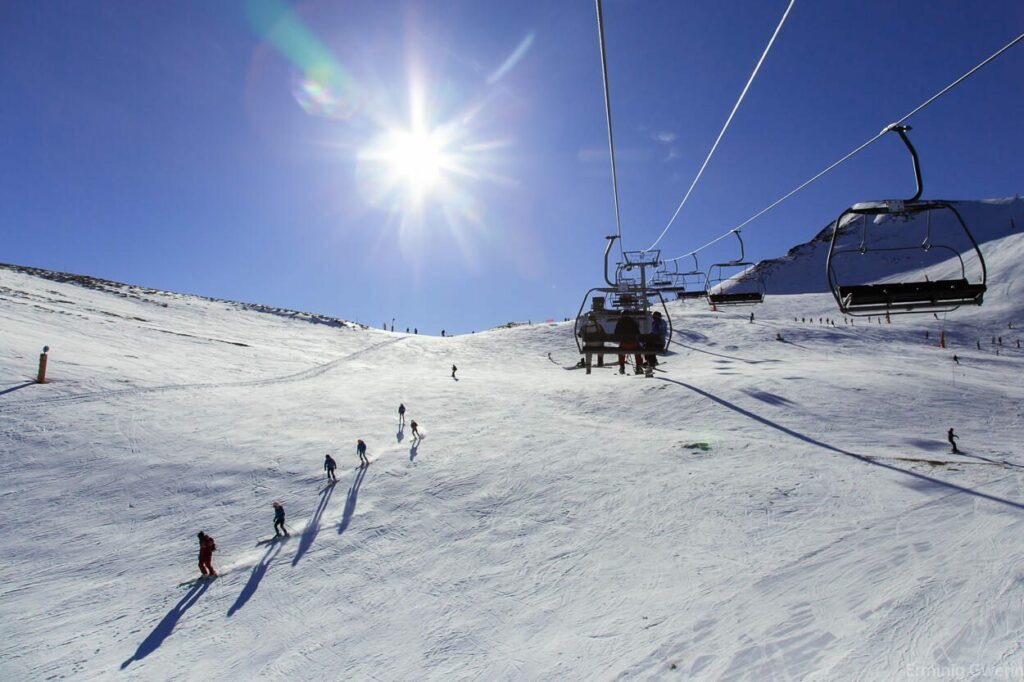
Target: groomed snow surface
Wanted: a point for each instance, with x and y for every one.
(761, 510)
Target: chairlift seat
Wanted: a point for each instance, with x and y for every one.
(905, 296)
(696, 293)
(738, 298)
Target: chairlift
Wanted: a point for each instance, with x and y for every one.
(741, 288)
(624, 297)
(693, 283)
(916, 296)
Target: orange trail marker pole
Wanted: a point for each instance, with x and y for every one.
(41, 377)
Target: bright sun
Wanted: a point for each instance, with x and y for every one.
(417, 159)
(412, 161)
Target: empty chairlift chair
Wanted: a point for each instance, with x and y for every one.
(692, 283)
(741, 288)
(880, 233)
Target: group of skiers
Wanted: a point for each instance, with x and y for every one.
(206, 544)
(628, 330)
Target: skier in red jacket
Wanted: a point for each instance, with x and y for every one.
(206, 549)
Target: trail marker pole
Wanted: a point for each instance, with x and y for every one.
(41, 377)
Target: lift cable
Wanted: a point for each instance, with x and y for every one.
(725, 127)
(858, 149)
(608, 114)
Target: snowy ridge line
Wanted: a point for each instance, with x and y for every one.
(301, 375)
(135, 291)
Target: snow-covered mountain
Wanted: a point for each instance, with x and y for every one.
(761, 510)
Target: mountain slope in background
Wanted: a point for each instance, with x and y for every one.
(762, 509)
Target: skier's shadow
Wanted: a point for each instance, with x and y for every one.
(309, 534)
(401, 434)
(258, 571)
(350, 501)
(164, 628)
(414, 450)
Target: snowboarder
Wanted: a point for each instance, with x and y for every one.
(279, 528)
(206, 549)
(627, 333)
(361, 451)
(329, 466)
(415, 429)
(952, 438)
(401, 414)
(454, 369)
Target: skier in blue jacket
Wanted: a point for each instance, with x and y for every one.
(659, 334)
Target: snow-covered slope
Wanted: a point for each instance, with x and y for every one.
(760, 510)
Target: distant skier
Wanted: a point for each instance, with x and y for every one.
(361, 451)
(751, 317)
(956, 359)
(401, 414)
(454, 370)
(329, 466)
(952, 438)
(415, 429)
(279, 528)
(442, 333)
(206, 549)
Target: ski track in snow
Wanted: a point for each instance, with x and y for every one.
(759, 511)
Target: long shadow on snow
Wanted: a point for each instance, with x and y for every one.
(166, 626)
(927, 480)
(728, 357)
(15, 388)
(350, 501)
(258, 571)
(309, 534)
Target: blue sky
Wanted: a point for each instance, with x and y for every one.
(445, 163)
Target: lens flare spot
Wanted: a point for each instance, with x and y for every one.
(320, 92)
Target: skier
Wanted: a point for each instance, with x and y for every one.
(454, 369)
(401, 414)
(442, 333)
(659, 332)
(329, 466)
(627, 333)
(206, 549)
(952, 437)
(279, 528)
(956, 359)
(751, 317)
(361, 451)
(415, 429)
(592, 335)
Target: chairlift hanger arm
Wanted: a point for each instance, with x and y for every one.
(901, 130)
(611, 240)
